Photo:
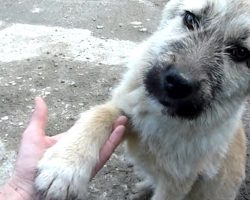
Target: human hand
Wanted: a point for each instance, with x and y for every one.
(34, 144)
(113, 141)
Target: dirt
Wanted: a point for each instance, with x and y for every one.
(70, 86)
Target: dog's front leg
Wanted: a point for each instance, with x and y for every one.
(168, 188)
(65, 169)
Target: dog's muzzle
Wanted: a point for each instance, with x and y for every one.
(179, 94)
(176, 85)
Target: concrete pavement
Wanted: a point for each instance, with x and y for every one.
(70, 52)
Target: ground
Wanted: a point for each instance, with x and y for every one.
(71, 52)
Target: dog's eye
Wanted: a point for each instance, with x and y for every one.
(190, 20)
(239, 53)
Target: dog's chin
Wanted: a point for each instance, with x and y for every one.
(183, 110)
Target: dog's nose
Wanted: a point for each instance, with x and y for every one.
(176, 85)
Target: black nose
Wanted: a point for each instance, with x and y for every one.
(176, 85)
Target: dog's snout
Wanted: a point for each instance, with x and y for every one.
(176, 85)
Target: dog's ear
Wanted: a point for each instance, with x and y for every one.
(169, 12)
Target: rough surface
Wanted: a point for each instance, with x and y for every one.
(71, 53)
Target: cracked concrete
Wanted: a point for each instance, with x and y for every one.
(70, 52)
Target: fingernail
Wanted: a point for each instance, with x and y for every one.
(124, 119)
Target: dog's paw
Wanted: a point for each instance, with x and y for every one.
(142, 191)
(62, 179)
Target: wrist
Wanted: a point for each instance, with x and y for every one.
(17, 189)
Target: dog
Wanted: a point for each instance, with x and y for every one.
(184, 93)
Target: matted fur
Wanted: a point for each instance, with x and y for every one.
(196, 157)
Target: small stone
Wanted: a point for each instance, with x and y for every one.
(140, 26)
(136, 23)
(12, 83)
(36, 10)
(143, 30)
(33, 90)
(73, 84)
(5, 118)
(130, 165)
(100, 27)
(125, 187)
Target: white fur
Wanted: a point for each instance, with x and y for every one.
(171, 152)
(159, 132)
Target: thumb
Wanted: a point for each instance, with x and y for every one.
(40, 115)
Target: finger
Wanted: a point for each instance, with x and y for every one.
(56, 138)
(52, 140)
(40, 115)
(122, 120)
(109, 147)
(115, 138)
